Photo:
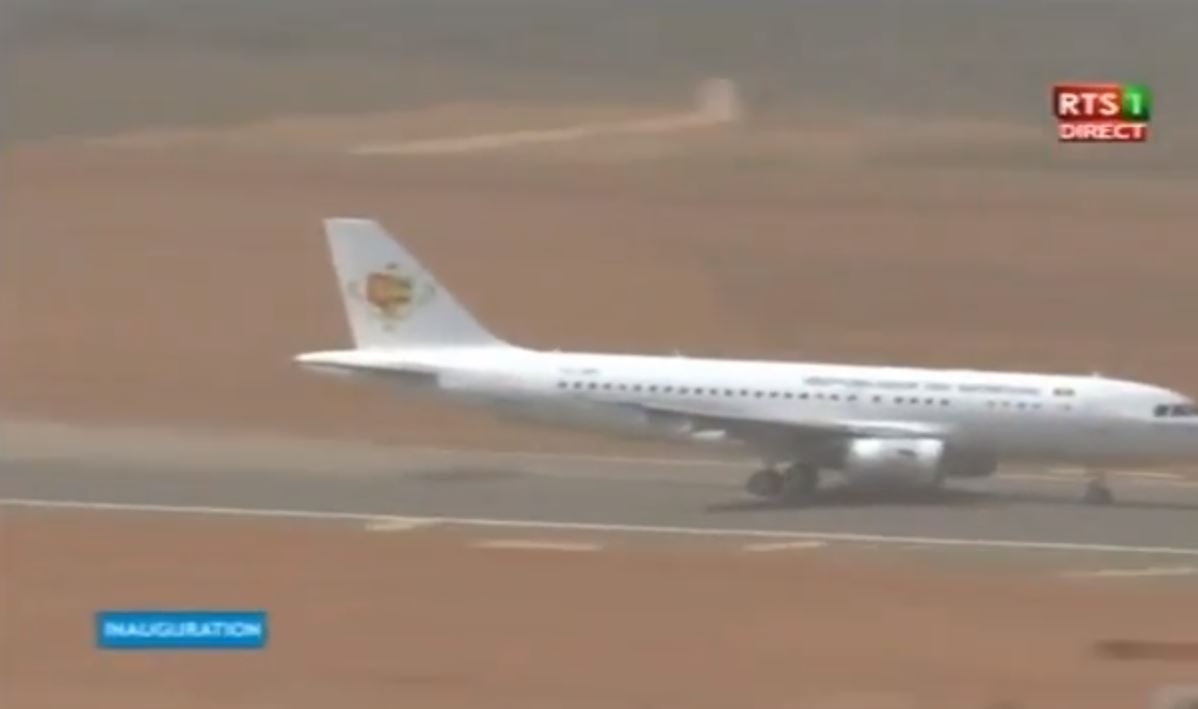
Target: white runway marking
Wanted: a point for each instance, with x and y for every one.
(535, 545)
(585, 457)
(1150, 474)
(1131, 472)
(46, 441)
(496, 141)
(1134, 573)
(785, 546)
(395, 524)
(1121, 478)
(608, 527)
(1050, 477)
(1056, 474)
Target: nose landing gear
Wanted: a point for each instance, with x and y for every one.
(1098, 492)
(766, 483)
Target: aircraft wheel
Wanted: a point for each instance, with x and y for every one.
(1097, 493)
(767, 483)
(800, 482)
(934, 484)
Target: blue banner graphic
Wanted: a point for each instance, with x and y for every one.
(182, 630)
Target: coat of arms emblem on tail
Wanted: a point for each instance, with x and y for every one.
(391, 295)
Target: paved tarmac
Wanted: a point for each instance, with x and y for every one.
(1020, 510)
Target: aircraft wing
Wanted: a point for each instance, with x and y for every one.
(785, 431)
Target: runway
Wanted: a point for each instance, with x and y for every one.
(1020, 511)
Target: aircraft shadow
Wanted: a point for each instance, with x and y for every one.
(854, 497)
(466, 474)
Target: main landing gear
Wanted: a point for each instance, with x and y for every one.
(797, 483)
(1097, 490)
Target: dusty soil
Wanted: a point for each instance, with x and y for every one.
(173, 285)
(170, 285)
(421, 619)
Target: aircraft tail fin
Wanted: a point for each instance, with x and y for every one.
(392, 301)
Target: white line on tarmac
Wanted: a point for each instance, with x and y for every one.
(1134, 573)
(1050, 477)
(535, 545)
(507, 139)
(785, 546)
(1130, 472)
(606, 527)
(1058, 474)
(1055, 473)
(1151, 474)
(1124, 478)
(586, 457)
(395, 524)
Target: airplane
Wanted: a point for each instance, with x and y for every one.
(906, 426)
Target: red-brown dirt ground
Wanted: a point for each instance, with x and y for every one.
(172, 286)
(422, 619)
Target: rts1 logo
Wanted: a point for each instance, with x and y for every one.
(1102, 113)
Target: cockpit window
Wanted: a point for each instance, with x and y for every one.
(1175, 410)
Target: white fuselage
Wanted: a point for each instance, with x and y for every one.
(1011, 416)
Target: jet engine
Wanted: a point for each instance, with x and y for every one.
(911, 461)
